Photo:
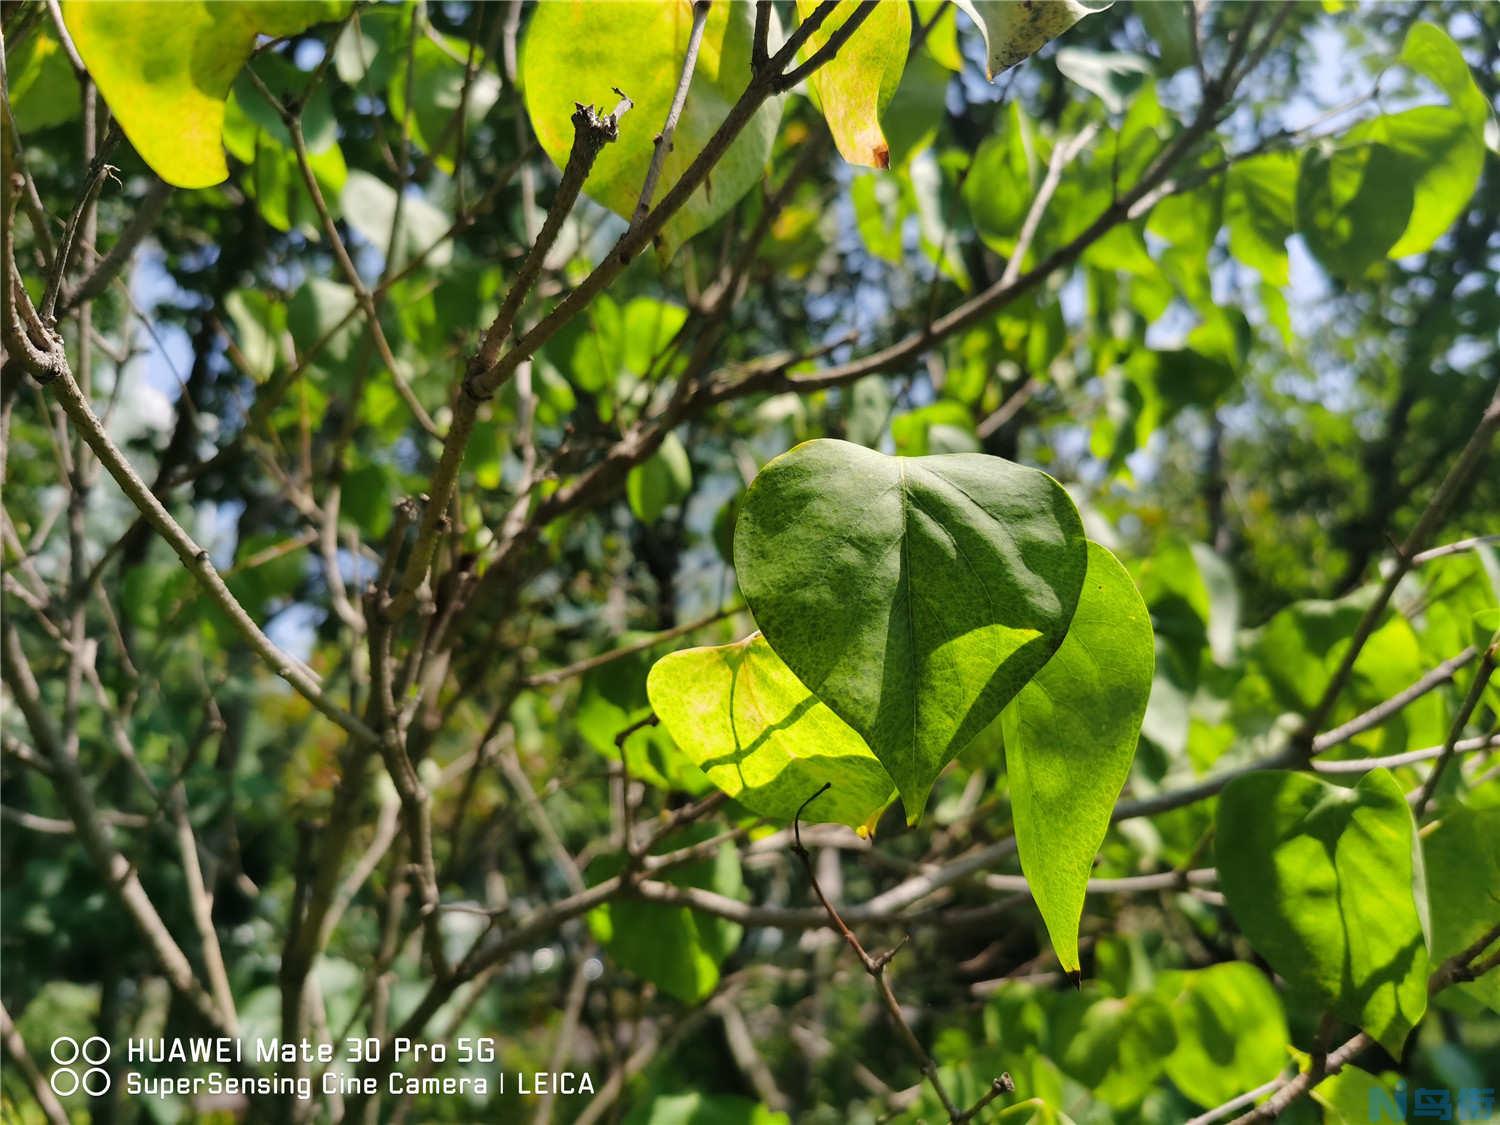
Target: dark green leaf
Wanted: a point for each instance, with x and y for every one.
(914, 596)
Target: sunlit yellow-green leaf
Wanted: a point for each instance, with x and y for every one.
(740, 714)
(577, 51)
(166, 69)
(855, 86)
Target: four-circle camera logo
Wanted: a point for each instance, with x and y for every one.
(71, 1056)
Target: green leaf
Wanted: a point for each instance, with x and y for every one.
(914, 596)
(43, 89)
(366, 499)
(1299, 649)
(664, 479)
(613, 698)
(853, 88)
(1443, 156)
(998, 188)
(1462, 856)
(944, 426)
(1231, 1031)
(580, 52)
(1327, 885)
(439, 64)
(1170, 27)
(1355, 1097)
(255, 134)
(741, 715)
(942, 34)
(1014, 29)
(675, 947)
(370, 204)
(1070, 737)
(1260, 212)
(917, 112)
(1430, 52)
(611, 348)
(1114, 77)
(166, 69)
(1118, 1045)
(259, 323)
(1353, 203)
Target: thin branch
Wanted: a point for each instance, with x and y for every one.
(1476, 690)
(94, 833)
(578, 668)
(662, 142)
(15, 1046)
(830, 48)
(142, 220)
(760, 44)
(591, 132)
(510, 765)
(747, 1056)
(567, 1028)
(197, 560)
(1063, 154)
(1410, 757)
(1468, 460)
(874, 966)
(1378, 714)
(627, 812)
(1454, 548)
(363, 297)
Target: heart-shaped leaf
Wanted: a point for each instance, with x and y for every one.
(1070, 737)
(913, 595)
(740, 714)
(166, 70)
(1328, 886)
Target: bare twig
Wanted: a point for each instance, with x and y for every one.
(1063, 154)
(96, 836)
(142, 221)
(1455, 548)
(578, 668)
(195, 558)
(1409, 757)
(1481, 680)
(874, 966)
(591, 132)
(1378, 714)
